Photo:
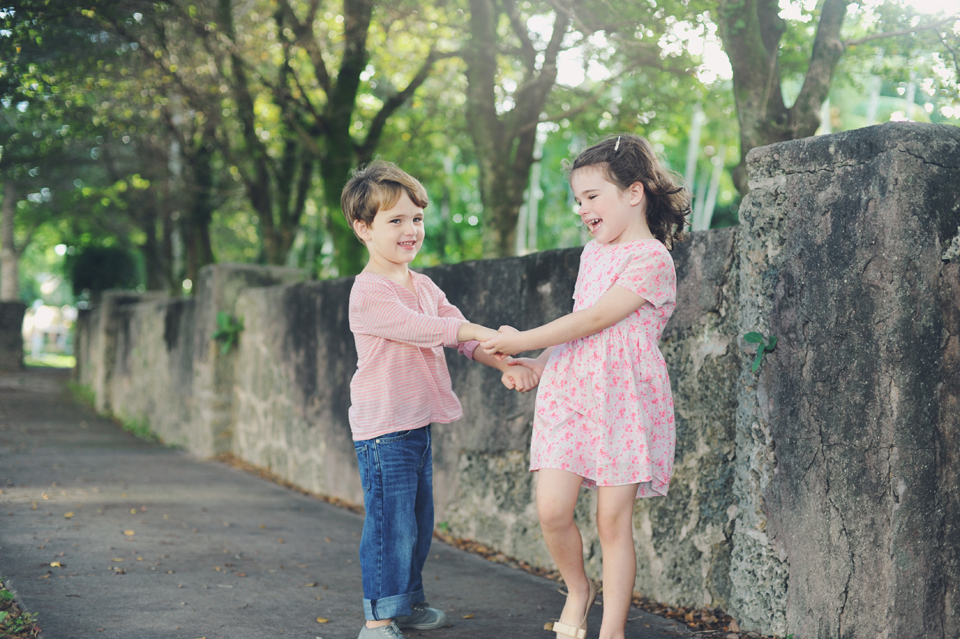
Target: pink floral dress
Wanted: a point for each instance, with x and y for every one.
(604, 407)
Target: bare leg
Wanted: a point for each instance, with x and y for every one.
(557, 492)
(378, 623)
(615, 527)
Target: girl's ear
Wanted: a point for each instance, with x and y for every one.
(635, 192)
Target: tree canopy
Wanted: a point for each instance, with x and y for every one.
(191, 131)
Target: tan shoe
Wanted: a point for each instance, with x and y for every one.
(565, 630)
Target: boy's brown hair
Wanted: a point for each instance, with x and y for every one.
(377, 187)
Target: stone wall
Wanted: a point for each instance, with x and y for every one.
(848, 435)
(817, 496)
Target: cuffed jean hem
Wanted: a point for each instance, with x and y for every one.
(391, 607)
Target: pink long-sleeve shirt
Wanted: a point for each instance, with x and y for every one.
(402, 380)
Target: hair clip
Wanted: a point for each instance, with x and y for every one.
(617, 146)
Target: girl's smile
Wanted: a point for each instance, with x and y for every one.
(612, 216)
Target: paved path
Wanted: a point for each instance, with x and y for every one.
(106, 536)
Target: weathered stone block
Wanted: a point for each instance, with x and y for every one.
(847, 436)
(218, 289)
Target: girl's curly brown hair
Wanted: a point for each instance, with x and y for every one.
(628, 158)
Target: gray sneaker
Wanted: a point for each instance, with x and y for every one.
(423, 618)
(390, 631)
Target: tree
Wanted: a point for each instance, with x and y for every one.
(753, 31)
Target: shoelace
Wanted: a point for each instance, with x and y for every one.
(392, 630)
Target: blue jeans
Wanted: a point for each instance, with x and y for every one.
(396, 471)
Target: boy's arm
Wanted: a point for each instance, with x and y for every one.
(513, 376)
(378, 311)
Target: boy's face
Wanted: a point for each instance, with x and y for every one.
(396, 234)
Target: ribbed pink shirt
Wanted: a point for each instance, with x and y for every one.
(402, 380)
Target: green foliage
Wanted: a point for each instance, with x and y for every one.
(764, 345)
(140, 428)
(83, 393)
(228, 331)
(95, 269)
(14, 622)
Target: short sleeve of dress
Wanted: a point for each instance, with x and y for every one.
(650, 274)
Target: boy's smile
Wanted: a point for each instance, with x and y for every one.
(395, 236)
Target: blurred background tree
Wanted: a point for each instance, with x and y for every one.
(185, 132)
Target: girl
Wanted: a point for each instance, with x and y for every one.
(604, 411)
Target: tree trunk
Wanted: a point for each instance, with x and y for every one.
(505, 144)
(199, 251)
(751, 32)
(9, 255)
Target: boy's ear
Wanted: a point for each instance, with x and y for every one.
(361, 229)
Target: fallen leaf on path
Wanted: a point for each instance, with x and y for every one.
(117, 559)
(241, 574)
(322, 620)
(280, 541)
(67, 515)
(129, 533)
(327, 539)
(56, 564)
(468, 616)
(133, 511)
(312, 584)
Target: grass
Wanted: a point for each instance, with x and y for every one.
(140, 428)
(51, 360)
(14, 622)
(83, 393)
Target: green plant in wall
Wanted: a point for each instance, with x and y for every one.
(228, 331)
(764, 345)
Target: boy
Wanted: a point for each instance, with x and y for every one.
(401, 320)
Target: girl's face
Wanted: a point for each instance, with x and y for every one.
(612, 216)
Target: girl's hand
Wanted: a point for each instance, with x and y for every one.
(505, 342)
(521, 379)
(533, 364)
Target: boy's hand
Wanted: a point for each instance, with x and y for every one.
(505, 342)
(527, 362)
(520, 378)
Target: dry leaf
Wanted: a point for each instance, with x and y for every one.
(116, 559)
(56, 564)
(129, 533)
(312, 584)
(241, 574)
(67, 515)
(468, 616)
(322, 620)
(133, 511)
(327, 539)
(734, 626)
(262, 527)
(280, 541)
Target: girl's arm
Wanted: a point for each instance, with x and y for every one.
(616, 304)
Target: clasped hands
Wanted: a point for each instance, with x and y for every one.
(506, 342)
